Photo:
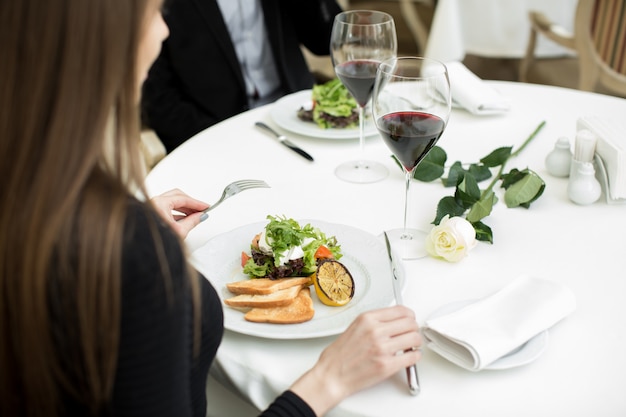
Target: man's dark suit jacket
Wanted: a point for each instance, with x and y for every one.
(197, 81)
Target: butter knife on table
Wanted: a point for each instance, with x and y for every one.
(283, 139)
(411, 371)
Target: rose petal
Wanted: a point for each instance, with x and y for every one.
(451, 239)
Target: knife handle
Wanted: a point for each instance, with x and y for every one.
(413, 380)
(282, 139)
(299, 151)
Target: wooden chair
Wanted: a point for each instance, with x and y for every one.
(599, 39)
(418, 28)
(152, 148)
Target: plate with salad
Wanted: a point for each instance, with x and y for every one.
(363, 254)
(307, 113)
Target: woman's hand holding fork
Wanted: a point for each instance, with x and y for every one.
(180, 211)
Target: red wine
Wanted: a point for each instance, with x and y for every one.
(358, 77)
(410, 135)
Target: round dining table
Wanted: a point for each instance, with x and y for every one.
(581, 368)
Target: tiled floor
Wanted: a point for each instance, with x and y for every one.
(562, 72)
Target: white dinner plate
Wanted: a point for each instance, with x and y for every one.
(284, 113)
(365, 256)
(522, 355)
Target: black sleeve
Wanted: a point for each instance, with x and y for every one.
(173, 115)
(288, 405)
(314, 31)
(154, 366)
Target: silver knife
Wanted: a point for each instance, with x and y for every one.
(283, 139)
(411, 371)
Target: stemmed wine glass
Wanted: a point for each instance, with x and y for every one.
(360, 40)
(411, 106)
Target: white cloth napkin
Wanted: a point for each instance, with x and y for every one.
(611, 147)
(482, 332)
(472, 93)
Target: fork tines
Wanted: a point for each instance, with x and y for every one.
(252, 183)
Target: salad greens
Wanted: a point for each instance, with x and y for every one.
(332, 98)
(283, 234)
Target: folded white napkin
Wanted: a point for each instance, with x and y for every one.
(611, 147)
(482, 332)
(472, 93)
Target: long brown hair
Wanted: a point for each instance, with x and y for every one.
(68, 85)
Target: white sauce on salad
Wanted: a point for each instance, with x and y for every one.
(295, 252)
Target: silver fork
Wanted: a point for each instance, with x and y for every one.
(235, 188)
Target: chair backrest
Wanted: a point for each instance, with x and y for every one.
(600, 32)
(416, 25)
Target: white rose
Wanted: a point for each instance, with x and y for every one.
(452, 239)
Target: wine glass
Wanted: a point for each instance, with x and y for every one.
(360, 40)
(411, 106)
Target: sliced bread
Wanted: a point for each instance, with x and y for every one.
(276, 299)
(299, 311)
(265, 285)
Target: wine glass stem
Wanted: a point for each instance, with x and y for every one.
(361, 135)
(407, 178)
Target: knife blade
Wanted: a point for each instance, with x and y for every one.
(411, 371)
(283, 139)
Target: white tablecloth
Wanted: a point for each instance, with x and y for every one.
(582, 371)
(493, 28)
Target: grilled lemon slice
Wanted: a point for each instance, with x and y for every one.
(333, 283)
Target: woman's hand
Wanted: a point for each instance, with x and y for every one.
(375, 346)
(180, 211)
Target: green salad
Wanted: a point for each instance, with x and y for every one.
(286, 249)
(333, 106)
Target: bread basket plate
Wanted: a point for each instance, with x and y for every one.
(364, 254)
(284, 113)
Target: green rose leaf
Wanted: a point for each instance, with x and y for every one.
(524, 191)
(512, 177)
(539, 193)
(497, 157)
(467, 192)
(432, 166)
(448, 205)
(455, 173)
(482, 208)
(397, 161)
(480, 172)
(483, 232)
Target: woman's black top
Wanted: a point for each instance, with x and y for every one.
(158, 373)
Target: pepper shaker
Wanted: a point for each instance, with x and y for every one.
(558, 161)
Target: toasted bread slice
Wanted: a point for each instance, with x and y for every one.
(265, 285)
(299, 311)
(276, 299)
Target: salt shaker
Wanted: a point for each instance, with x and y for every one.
(583, 187)
(558, 161)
